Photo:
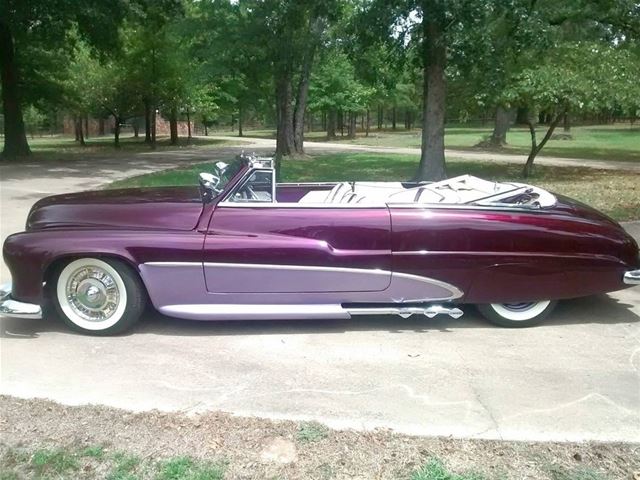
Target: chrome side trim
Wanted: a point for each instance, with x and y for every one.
(13, 308)
(414, 206)
(300, 205)
(632, 277)
(454, 291)
(270, 266)
(290, 312)
(405, 312)
(255, 312)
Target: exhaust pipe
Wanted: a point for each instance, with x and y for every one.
(405, 312)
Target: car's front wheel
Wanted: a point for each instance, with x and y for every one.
(98, 297)
(523, 314)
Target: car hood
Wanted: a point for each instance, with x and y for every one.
(171, 208)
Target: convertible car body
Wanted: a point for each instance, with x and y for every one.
(241, 246)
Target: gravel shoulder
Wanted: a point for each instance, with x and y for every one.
(251, 448)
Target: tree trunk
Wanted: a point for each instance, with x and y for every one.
(15, 135)
(86, 126)
(393, 118)
(206, 129)
(284, 136)
(173, 126)
(116, 131)
(240, 134)
(78, 128)
(301, 103)
(76, 132)
(154, 120)
(351, 129)
(101, 126)
(566, 125)
(535, 148)
(188, 124)
(432, 162)
(367, 124)
(147, 121)
(136, 130)
(380, 116)
(521, 116)
(331, 123)
(504, 117)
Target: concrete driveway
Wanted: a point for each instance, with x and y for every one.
(575, 378)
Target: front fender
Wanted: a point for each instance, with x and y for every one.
(29, 255)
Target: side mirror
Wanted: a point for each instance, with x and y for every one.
(208, 186)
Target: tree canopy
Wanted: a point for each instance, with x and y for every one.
(295, 64)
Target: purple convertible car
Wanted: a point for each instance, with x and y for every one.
(241, 246)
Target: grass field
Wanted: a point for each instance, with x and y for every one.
(620, 143)
(616, 193)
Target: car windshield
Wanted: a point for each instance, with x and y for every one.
(226, 171)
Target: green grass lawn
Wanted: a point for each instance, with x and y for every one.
(620, 142)
(616, 193)
(63, 147)
(98, 462)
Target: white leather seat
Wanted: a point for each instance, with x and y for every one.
(338, 192)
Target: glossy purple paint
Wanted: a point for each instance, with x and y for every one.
(169, 288)
(332, 237)
(167, 208)
(490, 255)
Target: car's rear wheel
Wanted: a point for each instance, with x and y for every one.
(523, 314)
(98, 296)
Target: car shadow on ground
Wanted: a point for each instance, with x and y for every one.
(599, 309)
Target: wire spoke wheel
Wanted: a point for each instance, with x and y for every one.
(98, 296)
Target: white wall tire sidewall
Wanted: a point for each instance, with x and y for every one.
(530, 313)
(68, 311)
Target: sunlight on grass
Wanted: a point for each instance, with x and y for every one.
(608, 142)
(616, 193)
(434, 469)
(185, 468)
(311, 432)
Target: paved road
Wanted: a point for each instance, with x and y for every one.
(575, 378)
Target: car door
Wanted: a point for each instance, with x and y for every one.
(254, 245)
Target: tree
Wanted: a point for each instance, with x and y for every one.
(80, 86)
(229, 63)
(334, 87)
(291, 31)
(436, 30)
(44, 24)
(570, 79)
(115, 94)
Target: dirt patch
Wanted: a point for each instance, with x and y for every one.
(240, 444)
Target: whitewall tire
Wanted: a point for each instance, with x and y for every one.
(98, 296)
(523, 314)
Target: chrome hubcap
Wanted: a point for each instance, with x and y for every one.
(92, 293)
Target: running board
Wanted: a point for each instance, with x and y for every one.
(405, 312)
(298, 312)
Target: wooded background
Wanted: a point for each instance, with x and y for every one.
(337, 65)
